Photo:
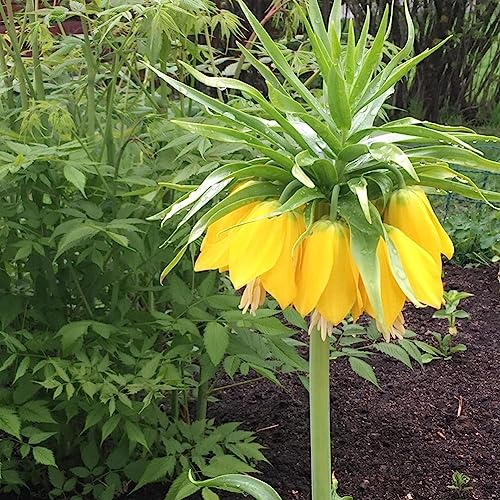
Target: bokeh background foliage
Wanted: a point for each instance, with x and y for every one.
(106, 376)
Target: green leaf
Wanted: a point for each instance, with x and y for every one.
(390, 153)
(75, 236)
(22, 368)
(90, 455)
(371, 59)
(71, 333)
(81, 472)
(40, 437)
(216, 340)
(364, 242)
(118, 238)
(226, 464)
(363, 369)
(231, 113)
(225, 134)
(453, 154)
(76, 177)
(281, 63)
(109, 427)
(335, 19)
(245, 88)
(36, 411)
(43, 456)
(358, 186)
(302, 177)
(8, 362)
(317, 23)
(245, 484)
(398, 271)
(338, 100)
(300, 197)
(384, 83)
(293, 317)
(445, 178)
(56, 477)
(411, 349)
(156, 470)
(181, 488)
(135, 434)
(9, 422)
(209, 495)
(394, 351)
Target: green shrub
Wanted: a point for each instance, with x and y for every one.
(106, 374)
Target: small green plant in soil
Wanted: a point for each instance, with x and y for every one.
(460, 484)
(335, 487)
(445, 342)
(451, 312)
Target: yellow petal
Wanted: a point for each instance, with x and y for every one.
(218, 230)
(215, 246)
(256, 245)
(393, 298)
(407, 212)
(315, 266)
(214, 256)
(341, 292)
(446, 243)
(280, 280)
(422, 271)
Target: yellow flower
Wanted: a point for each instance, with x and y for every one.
(422, 271)
(327, 280)
(410, 211)
(423, 274)
(257, 250)
(393, 299)
(262, 248)
(215, 246)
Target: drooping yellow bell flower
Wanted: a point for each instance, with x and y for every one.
(280, 281)
(327, 276)
(422, 272)
(214, 250)
(410, 211)
(261, 248)
(421, 269)
(257, 250)
(393, 299)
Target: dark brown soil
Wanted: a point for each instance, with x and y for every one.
(402, 442)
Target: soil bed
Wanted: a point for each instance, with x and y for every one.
(402, 442)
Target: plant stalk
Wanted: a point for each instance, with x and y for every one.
(8, 20)
(7, 79)
(319, 410)
(91, 76)
(202, 402)
(35, 51)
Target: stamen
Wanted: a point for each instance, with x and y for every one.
(395, 331)
(321, 324)
(253, 297)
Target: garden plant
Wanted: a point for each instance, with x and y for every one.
(331, 217)
(302, 191)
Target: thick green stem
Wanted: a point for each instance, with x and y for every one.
(399, 176)
(35, 51)
(319, 402)
(334, 202)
